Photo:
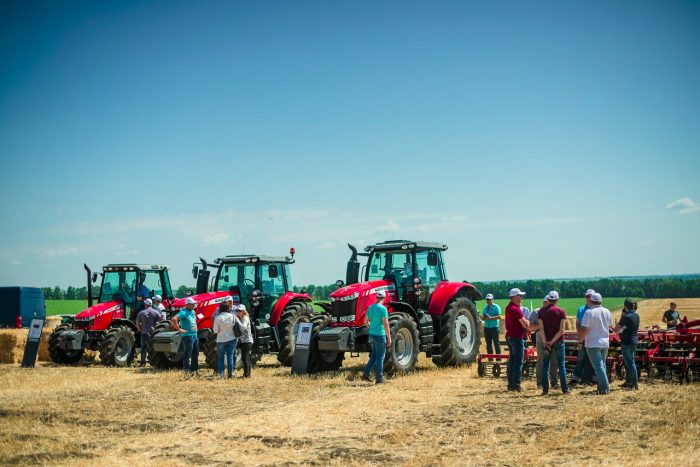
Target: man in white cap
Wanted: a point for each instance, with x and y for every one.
(516, 329)
(158, 304)
(185, 322)
(583, 373)
(377, 317)
(145, 321)
(551, 332)
(535, 325)
(595, 332)
(492, 317)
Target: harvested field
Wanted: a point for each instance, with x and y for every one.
(96, 415)
(651, 311)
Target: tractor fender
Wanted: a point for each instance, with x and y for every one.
(124, 322)
(446, 291)
(403, 307)
(282, 303)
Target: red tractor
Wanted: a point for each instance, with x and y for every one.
(108, 326)
(427, 313)
(263, 284)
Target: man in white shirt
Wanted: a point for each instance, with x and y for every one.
(595, 331)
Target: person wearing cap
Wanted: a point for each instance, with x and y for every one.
(516, 327)
(142, 294)
(595, 333)
(583, 372)
(158, 305)
(377, 317)
(551, 331)
(243, 321)
(145, 321)
(225, 338)
(535, 326)
(627, 329)
(671, 316)
(185, 322)
(492, 318)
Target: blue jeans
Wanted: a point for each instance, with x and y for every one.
(516, 351)
(190, 361)
(558, 353)
(583, 373)
(628, 353)
(225, 349)
(598, 356)
(376, 357)
(145, 340)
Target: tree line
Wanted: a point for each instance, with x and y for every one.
(663, 287)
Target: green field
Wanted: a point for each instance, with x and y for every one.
(570, 305)
(64, 307)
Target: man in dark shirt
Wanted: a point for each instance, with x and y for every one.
(516, 325)
(627, 328)
(671, 317)
(553, 320)
(145, 321)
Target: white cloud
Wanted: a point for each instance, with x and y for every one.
(216, 239)
(390, 226)
(14, 262)
(684, 206)
(62, 251)
(327, 245)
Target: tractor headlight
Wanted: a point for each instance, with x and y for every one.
(350, 297)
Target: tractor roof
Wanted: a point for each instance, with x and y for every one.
(133, 267)
(393, 245)
(253, 259)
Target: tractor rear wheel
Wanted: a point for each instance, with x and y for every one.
(117, 347)
(402, 355)
(320, 361)
(59, 355)
(162, 360)
(295, 313)
(460, 334)
(207, 346)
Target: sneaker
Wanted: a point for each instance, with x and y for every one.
(365, 378)
(381, 381)
(545, 393)
(518, 389)
(566, 392)
(603, 393)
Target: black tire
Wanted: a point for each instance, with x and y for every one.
(322, 361)
(496, 370)
(481, 370)
(402, 355)
(294, 313)
(58, 355)
(162, 360)
(207, 346)
(460, 334)
(117, 348)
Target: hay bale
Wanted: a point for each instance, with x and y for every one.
(52, 322)
(12, 345)
(570, 324)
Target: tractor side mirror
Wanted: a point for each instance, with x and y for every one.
(195, 271)
(339, 283)
(432, 259)
(272, 271)
(94, 277)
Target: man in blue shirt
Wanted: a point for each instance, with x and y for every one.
(583, 373)
(377, 317)
(142, 294)
(185, 322)
(492, 318)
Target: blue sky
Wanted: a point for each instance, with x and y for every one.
(536, 139)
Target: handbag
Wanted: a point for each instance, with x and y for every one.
(237, 332)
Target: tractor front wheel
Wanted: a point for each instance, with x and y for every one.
(460, 334)
(320, 361)
(117, 347)
(58, 354)
(295, 313)
(402, 355)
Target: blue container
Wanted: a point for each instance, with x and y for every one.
(20, 305)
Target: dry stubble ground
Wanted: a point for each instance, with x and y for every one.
(90, 415)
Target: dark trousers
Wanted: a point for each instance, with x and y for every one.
(190, 361)
(245, 355)
(516, 352)
(583, 373)
(145, 341)
(492, 340)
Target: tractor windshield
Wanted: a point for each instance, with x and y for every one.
(118, 285)
(389, 265)
(240, 277)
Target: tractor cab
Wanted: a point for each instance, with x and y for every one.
(127, 282)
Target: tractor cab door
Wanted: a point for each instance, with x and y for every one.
(396, 267)
(430, 272)
(273, 285)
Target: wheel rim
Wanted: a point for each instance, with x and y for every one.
(463, 333)
(328, 357)
(403, 347)
(121, 350)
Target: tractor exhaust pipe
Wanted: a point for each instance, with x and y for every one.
(89, 284)
(352, 275)
(202, 277)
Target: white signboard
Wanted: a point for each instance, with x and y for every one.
(35, 329)
(304, 334)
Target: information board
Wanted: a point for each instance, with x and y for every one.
(31, 348)
(302, 347)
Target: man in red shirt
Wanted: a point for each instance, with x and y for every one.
(516, 326)
(551, 332)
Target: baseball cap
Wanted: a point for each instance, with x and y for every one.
(489, 296)
(516, 291)
(148, 302)
(553, 296)
(157, 298)
(381, 294)
(190, 301)
(589, 292)
(596, 297)
(241, 308)
(228, 299)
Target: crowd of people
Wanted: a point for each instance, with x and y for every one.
(546, 325)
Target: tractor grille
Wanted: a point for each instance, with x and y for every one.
(343, 312)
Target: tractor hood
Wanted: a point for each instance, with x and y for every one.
(208, 298)
(99, 309)
(364, 289)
